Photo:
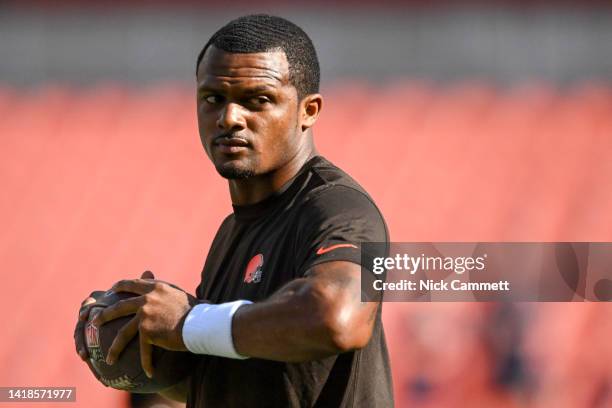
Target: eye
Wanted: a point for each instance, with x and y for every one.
(213, 99)
(260, 100)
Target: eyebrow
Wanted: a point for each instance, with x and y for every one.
(249, 91)
(259, 89)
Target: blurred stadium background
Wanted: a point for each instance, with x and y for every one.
(466, 121)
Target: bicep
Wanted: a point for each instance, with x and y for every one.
(340, 282)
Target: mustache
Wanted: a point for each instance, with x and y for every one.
(229, 136)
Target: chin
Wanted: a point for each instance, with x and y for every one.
(232, 171)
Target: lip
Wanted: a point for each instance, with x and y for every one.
(232, 141)
(230, 149)
(230, 144)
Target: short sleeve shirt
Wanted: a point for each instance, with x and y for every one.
(321, 215)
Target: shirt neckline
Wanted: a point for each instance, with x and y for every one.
(253, 211)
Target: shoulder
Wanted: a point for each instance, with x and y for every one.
(334, 198)
(326, 174)
(340, 199)
(333, 190)
(227, 224)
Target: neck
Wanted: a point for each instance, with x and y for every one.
(258, 188)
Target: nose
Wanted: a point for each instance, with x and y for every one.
(231, 118)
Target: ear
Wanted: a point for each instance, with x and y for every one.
(310, 107)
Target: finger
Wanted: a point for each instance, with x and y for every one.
(146, 356)
(88, 301)
(79, 338)
(86, 308)
(122, 308)
(122, 338)
(147, 275)
(97, 294)
(138, 286)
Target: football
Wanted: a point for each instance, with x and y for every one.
(170, 367)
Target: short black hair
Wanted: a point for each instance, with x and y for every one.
(262, 33)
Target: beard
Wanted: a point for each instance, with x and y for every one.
(234, 172)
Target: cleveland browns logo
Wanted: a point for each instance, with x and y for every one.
(254, 269)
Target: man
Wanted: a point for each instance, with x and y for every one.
(277, 319)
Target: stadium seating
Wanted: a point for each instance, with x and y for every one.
(101, 183)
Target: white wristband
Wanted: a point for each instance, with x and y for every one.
(208, 329)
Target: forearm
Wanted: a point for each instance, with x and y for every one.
(283, 328)
(306, 320)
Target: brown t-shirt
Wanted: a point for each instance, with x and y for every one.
(321, 215)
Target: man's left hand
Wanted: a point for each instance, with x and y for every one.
(159, 313)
